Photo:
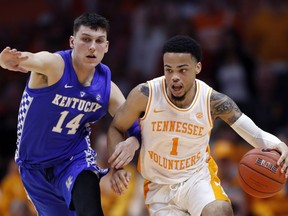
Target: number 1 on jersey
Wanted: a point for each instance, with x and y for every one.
(174, 146)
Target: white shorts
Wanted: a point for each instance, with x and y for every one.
(185, 198)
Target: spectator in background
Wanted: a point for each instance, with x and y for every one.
(14, 198)
(235, 71)
(209, 24)
(148, 34)
(266, 36)
(266, 33)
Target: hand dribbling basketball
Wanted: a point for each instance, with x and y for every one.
(258, 173)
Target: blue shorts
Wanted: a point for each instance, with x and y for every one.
(50, 188)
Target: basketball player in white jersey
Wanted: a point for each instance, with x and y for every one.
(176, 114)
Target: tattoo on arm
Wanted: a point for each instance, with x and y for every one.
(224, 107)
(144, 89)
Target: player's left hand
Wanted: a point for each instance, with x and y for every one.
(124, 152)
(119, 180)
(283, 160)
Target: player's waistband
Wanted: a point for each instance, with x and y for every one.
(27, 165)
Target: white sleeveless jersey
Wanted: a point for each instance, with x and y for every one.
(174, 141)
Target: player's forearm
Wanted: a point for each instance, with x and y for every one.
(121, 152)
(40, 62)
(255, 136)
(114, 137)
(33, 62)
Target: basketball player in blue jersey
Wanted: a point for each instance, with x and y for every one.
(66, 92)
(176, 114)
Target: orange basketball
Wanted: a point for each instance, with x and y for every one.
(258, 173)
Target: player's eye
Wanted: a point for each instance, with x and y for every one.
(100, 41)
(86, 39)
(168, 70)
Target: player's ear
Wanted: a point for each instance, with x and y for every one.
(71, 42)
(198, 67)
(107, 46)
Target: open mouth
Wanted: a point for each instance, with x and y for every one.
(176, 88)
(91, 56)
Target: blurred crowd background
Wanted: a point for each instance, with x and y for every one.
(245, 55)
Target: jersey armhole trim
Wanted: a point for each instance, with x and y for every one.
(208, 107)
(149, 101)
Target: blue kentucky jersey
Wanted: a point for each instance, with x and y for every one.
(53, 122)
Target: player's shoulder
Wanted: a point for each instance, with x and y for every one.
(202, 84)
(143, 89)
(103, 66)
(103, 70)
(160, 80)
(139, 93)
(64, 53)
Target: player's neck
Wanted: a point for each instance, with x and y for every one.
(187, 99)
(85, 75)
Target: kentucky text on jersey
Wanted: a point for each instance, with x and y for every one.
(75, 103)
(177, 126)
(174, 164)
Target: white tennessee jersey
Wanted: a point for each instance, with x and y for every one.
(174, 141)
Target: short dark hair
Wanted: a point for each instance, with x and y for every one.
(92, 20)
(183, 44)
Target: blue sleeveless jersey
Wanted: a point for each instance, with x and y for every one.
(53, 122)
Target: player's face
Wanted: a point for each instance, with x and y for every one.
(89, 46)
(180, 71)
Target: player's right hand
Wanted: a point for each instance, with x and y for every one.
(11, 58)
(124, 153)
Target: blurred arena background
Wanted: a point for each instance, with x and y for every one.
(245, 55)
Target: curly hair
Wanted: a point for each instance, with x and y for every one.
(183, 44)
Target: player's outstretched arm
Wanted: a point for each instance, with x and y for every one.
(46, 63)
(225, 108)
(122, 152)
(249, 131)
(11, 58)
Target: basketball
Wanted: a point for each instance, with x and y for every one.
(258, 173)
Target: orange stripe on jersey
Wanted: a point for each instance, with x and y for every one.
(208, 150)
(146, 189)
(175, 107)
(139, 163)
(208, 108)
(215, 181)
